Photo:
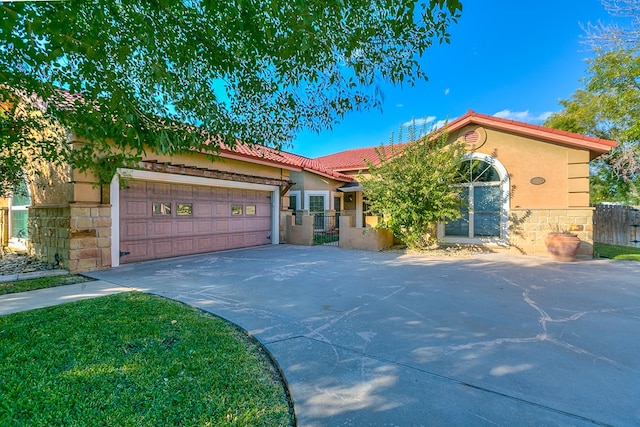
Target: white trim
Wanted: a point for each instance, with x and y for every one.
(296, 193)
(189, 180)
(504, 210)
(309, 193)
(114, 195)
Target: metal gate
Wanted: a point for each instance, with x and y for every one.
(326, 229)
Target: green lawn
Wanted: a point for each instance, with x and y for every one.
(134, 360)
(617, 252)
(40, 283)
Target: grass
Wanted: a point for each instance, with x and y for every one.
(134, 360)
(40, 283)
(626, 253)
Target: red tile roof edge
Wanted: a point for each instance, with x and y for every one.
(355, 158)
(598, 145)
(269, 156)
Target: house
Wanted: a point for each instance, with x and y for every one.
(526, 180)
(165, 207)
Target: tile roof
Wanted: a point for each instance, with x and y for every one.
(267, 155)
(562, 137)
(356, 159)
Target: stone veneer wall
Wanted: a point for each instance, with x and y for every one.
(529, 227)
(77, 237)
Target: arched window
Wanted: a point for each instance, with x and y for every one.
(485, 191)
(18, 214)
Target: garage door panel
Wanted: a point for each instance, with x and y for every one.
(204, 226)
(182, 191)
(136, 229)
(237, 224)
(219, 219)
(204, 244)
(202, 209)
(184, 245)
(162, 228)
(162, 248)
(222, 209)
(222, 225)
(136, 188)
(160, 189)
(135, 208)
(137, 251)
(185, 227)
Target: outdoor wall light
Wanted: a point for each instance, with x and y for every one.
(349, 198)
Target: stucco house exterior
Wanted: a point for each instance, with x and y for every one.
(528, 180)
(165, 207)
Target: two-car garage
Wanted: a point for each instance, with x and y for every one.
(161, 215)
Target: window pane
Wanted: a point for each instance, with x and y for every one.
(487, 203)
(478, 171)
(460, 227)
(21, 195)
(161, 208)
(292, 202)
(316, 203)
(184, 209)
(19, 228)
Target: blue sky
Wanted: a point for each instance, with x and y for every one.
(515, 59)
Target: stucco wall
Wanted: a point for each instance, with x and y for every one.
(565, 170)
(300, 234)
(365, 238)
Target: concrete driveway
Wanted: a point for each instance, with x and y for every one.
(385, 339)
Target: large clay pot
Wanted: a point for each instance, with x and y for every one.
(562, 246)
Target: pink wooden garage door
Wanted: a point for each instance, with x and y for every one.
(162, 220)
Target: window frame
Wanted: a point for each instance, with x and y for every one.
(503, 184)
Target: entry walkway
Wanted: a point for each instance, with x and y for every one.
(368, 338)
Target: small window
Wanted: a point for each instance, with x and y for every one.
(293, 202)
(184, 209)
(250, 210)
(161, 208)
(236, 210)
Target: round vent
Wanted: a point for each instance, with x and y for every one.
(471, 137)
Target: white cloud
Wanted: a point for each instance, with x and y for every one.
(399, 105)
(446, 91)
(440, 123)
(419, 121)
(523, 116)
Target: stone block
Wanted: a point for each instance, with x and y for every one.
(80, 223)
(102, 222)
(78, 212)
(83, 254)
(105, 257)
(86, 265)
(104, 242)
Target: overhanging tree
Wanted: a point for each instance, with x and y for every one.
(609, 107)
(170, 75)
(413, 188)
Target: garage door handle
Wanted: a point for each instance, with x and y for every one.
(122, 253)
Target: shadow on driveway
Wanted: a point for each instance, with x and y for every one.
(382, 338)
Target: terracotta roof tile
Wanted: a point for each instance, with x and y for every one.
(283, 158)
(354, 159)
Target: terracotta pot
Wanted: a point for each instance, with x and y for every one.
(562, 246)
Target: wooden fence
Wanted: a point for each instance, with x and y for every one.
(617, 225)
